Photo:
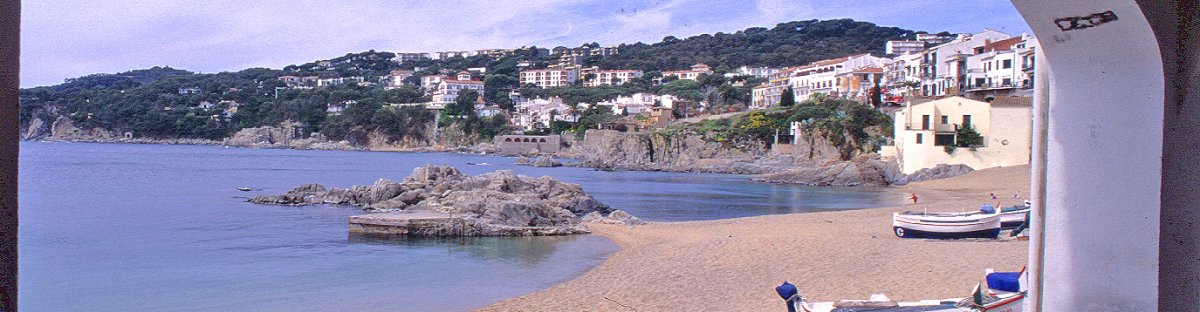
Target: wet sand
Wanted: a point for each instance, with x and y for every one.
(734, 264)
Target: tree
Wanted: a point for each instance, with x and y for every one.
(788, 98)
(968, 137)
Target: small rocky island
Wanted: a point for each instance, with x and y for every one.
(442, 201)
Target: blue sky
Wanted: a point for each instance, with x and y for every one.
(70, 38)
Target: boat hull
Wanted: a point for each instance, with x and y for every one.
(946, 226)
(1013, 218)
(911, 233)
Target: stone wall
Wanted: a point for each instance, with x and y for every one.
(528, 144)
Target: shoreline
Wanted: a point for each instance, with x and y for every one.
(734, 264)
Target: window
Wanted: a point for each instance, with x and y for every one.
(945, 119)
(925, 122)
(966, 120)
(1007, 64)
(919, 137)
(943, 139)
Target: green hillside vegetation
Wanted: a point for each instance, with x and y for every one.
(849, 125)
(164, 102)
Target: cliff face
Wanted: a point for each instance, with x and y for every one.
(813, 160)
(64, 130)
(613, 150)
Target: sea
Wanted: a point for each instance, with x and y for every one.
(128, 227)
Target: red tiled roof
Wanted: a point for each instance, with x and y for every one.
(1002, 45)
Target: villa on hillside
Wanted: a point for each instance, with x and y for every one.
(923, 130)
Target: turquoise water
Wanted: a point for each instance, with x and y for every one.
(109, 227)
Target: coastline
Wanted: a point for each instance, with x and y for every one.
(733, 264)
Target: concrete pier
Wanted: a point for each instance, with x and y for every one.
(406, 223)
(431, 223)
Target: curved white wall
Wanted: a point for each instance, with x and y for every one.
(1101, 220)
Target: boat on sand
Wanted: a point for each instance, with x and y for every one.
(976, 224)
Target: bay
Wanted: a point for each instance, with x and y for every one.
(112, 227)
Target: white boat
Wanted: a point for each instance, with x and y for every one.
(978, 224)
(1013, 216)
(999, 292)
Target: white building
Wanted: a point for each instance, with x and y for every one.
(901, 47)
(337, 108)
(692, 73)
(484, 110)
(944, 67)
(610, 77)
(832, 77)
(549, 78)
(1003, 69)
(447, 90)
(329, 82)
(761, 72)
(922, 132)
(402, 57)
(430, 82)
(395, 79)
(538, 113)
(636, 103)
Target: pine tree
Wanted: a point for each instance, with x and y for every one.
(788, 98)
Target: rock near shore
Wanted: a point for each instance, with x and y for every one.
(285, 135)
(649, 151)
(540, 161)
(500, 203)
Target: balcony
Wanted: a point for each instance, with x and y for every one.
(933, 126)
(975, 87)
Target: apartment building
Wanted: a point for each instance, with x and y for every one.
(692, 73)
(609, 77)
(447, 90)
(551, 77)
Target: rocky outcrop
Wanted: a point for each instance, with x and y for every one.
(497, 203)
(860, 171)
(540, 161)
(650, 151)
(864, 170)
(63, 129)
(36, 129)
(940, 171)
(617, 217)
(286, 135)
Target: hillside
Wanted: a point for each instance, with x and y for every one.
(168, 103)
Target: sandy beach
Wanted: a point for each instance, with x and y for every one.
(734, 264)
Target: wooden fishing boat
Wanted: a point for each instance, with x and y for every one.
(978, 224)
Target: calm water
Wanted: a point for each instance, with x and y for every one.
(108, 227)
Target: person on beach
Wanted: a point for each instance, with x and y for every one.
(993, 195)
(914, 198)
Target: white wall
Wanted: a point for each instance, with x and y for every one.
(1104, 167)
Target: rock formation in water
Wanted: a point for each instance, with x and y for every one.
(540, 161)
(283, 136)
(490, 204)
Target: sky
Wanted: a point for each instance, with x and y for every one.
(70, 38)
